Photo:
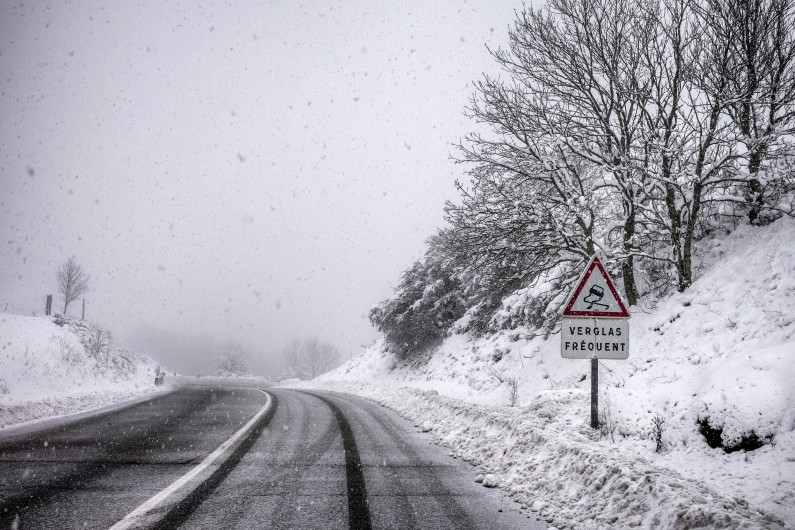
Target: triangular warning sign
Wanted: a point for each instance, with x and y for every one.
(595, 295)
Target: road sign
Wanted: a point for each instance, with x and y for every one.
(594, 325)
(594, 338)
(595, 295)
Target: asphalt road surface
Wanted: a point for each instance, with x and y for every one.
(314, 460)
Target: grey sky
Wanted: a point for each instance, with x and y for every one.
(255, 172)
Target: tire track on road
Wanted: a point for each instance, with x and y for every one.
(358, 511)
(305, 456)
(407, 517)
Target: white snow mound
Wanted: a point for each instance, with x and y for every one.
(48, 369)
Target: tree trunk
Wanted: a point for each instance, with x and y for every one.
(628, 266)
(676, 236)
(687, 250)
(754, 185)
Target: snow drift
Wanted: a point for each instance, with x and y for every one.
(52, 366)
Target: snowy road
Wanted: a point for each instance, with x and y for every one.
(321, 461)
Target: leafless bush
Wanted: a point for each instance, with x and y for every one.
(657, 429)
(309, 358)
(98, 345)
(607, 428)
(69, 355)
(3, 386)
(510, 381)
(513, 390)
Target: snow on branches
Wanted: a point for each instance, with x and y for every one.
(627, 128)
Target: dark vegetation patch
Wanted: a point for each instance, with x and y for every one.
(714, 437)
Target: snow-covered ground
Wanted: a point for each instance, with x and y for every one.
(723, 352)
(47, 369)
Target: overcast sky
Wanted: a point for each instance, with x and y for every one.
(254, 171)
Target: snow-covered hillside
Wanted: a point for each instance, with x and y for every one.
(718, 359)
(52, 366)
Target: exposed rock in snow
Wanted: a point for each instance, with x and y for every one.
(490, 480)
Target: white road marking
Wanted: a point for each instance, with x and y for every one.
(144, 509)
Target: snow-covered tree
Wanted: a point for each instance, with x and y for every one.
(628, 128)
(569, 109)
(509, 227)
(760, 33)
(655, 100)
(426, 302)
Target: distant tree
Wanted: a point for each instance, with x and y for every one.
(72, 282)
(309, 358)
(292, 355)
(232, 360)
(319, 356)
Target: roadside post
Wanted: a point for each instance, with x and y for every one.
(594, 325)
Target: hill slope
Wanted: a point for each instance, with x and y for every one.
(52, 366)
(718, 360)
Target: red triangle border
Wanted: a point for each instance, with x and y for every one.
(569, 312)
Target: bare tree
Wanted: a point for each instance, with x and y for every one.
(292, 355)
(310, 358)
(567, 121)
(628, 128)
(72, 281)
(763, 84)
(623, 122)
(232, 360)
(319, 356)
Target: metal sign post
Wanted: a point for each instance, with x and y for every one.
(595, 325)
(594, 393)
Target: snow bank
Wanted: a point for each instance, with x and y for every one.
(546, 459)
(48, 369)
(722, 352)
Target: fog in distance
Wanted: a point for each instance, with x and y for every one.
(250, 171)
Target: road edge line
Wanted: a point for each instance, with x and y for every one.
(36, 425)
(152, 503)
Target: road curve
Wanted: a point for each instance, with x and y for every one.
(327, 461)
(91, 472)
(314, 461)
